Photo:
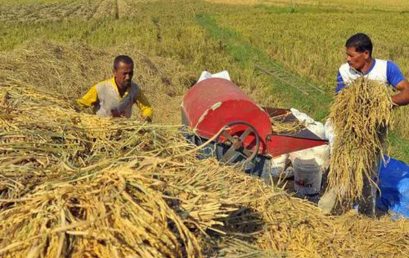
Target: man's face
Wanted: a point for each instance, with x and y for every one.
(355, 59)
(123, 75)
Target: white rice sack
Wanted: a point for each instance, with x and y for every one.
(315, 127)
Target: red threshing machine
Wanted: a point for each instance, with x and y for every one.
(241, 130)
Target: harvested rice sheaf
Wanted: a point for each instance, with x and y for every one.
(361, 117)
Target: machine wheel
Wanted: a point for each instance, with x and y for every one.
(230, 147)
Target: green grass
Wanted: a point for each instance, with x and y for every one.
(399, 147)
(309, 41)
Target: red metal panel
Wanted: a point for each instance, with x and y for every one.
(202, 96)
(279, 144)
(213, 103)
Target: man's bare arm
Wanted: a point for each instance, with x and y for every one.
(402, 98)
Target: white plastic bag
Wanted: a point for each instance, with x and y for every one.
(315, 127)
(222, 75)
(278, 165)
(307, 176)
(319, 154)
(329, 133)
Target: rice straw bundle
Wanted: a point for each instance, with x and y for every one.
(108, 216)
(295, 228)
(361, 116)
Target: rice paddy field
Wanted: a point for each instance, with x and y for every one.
(75, 185)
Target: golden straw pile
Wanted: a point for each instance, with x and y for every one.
(112, 213)
(75, 185)
(361, 116)
(281, 126)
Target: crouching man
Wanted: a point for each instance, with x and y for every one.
(115, 97)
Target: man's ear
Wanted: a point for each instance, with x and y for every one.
(366, 53)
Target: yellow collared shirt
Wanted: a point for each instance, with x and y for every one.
(105, 96)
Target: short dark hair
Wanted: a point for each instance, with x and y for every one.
(361, 42)
(122, 59)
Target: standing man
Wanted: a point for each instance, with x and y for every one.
(116, 96)
(361, 63)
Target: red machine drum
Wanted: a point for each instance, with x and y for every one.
(214, 103)
(217, 108)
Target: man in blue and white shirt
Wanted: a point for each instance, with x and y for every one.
(360, 63)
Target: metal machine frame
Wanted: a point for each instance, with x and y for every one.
(242, 130)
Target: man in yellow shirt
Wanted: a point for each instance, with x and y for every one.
(116, 96)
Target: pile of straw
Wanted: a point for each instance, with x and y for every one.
(76, 185)
(361, 117)
(111, 213)
(68, 187)
(281, 126)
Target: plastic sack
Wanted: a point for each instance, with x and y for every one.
(394, 186)
(315, 127)
(278, 165)
(307, 177)
(222, 75)
(329, 132)
(320, 154)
